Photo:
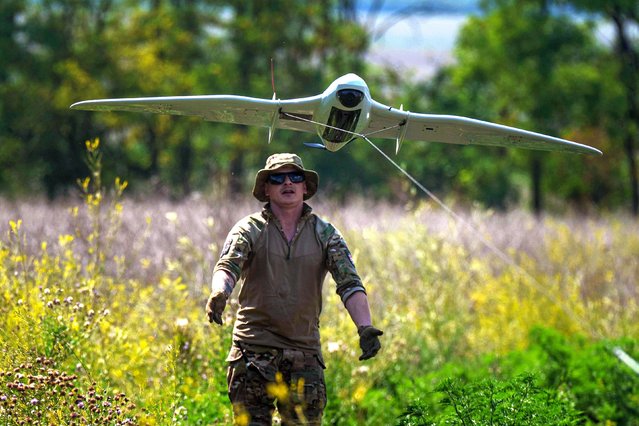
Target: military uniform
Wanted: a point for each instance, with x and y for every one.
(276, 334)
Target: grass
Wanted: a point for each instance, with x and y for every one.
(109, 291)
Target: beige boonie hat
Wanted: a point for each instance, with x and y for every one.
(277, 161)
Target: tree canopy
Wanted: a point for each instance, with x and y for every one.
(528, 63)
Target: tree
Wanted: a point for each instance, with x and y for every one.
(624, 125)
(512, 65)
(46, 43)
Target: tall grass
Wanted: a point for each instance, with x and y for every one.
(110, 291)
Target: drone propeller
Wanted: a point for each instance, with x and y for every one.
(315, 145)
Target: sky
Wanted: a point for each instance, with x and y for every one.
(420, 43)
(418, 46)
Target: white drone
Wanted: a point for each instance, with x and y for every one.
(344, 112)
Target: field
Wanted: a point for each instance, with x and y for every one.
(509, 320)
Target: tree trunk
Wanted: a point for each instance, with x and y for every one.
(536, 167)
(185, 164)
(629, 69)
(236, 169)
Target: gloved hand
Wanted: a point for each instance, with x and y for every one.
(369, 341)
(215, 306)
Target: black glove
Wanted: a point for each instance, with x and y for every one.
(369, 341)
(215, 306)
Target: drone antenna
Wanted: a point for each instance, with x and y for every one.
(276, 113)
(273, 79)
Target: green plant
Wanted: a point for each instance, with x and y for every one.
(518, 401)
(602, 387)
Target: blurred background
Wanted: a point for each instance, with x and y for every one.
(566, 68)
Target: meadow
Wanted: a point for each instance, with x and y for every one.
(511, 322)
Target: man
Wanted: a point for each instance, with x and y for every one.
(280, 257)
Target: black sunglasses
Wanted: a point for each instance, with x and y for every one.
(279, 178)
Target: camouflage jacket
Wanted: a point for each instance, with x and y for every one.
(280, 296)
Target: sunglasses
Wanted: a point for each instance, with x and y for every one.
(279, 178)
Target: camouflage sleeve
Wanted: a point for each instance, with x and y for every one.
(341, 266)
(238, 245)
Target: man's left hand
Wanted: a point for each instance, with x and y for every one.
(369, 341)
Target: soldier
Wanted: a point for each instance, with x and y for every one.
(280, 257)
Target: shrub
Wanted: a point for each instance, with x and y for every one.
(518, 401)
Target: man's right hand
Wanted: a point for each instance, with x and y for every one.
(215, 306)
(369, 341)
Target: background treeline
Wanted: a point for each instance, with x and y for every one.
(536, 64)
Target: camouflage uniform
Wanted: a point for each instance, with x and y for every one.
(263, 377)
(280, 298)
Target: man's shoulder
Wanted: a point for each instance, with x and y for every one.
(324, 229)
(252, 222)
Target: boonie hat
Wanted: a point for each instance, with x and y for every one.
(277, 161)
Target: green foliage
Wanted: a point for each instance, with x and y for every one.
(521, 64)
(602, 387)
(555, 379)
(513, 402)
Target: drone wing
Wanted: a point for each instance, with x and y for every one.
(386, 122)
(284, 114)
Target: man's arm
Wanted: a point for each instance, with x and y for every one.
(350, 289)
(228, 268)
(357, 307)
(221, 289)
(223, 281)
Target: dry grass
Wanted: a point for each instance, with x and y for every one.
(152, 228)
(435, 288)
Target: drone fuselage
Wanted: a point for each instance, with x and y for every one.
(343, 112)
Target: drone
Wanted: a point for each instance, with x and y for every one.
(344, 112)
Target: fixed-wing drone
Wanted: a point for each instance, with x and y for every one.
(344, 112)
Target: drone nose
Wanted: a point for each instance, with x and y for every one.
(350, 98)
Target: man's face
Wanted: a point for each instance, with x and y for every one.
(287, 194)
